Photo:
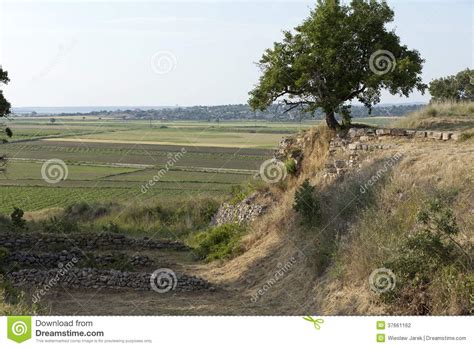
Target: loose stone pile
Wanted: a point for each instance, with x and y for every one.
(95, 279)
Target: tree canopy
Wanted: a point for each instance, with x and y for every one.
(339, 53)
(4, 111)
(459, 87)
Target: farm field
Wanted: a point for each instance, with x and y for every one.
(113, 160)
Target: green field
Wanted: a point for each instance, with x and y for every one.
(113, 160)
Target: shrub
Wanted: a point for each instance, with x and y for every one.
(427, 255)
(86, 211)
(18, 222)
(60, 225)
(306, 203)
(111, 227)
(239, 193)
(219, 242)
(290, 166)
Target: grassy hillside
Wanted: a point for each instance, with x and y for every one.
(443, 116)
(416, 221)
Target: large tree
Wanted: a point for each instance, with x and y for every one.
(4, 111)
(459, 87)
(339, 53)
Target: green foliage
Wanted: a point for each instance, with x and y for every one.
(325, 63)
(459, 87)
(429, 253)
(238, 193)
(111, 227)
(4, 104)
(4, 111)
(290, 166)
(60, 225)
(306, 203)
(87, 211)
(18, 222)
(221, 242)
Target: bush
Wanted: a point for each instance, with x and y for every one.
(18, 222)
(239, 193)
(427, 255)
(111, 227)
(84, 211)
(60, 225)
(219, 242)
(290, 166)
(306, 203)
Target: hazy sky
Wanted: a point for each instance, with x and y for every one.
(83, 53)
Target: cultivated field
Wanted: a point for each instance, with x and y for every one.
(110, 160)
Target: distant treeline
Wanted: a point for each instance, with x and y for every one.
(242, 111)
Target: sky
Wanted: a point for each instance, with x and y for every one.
(156, 53)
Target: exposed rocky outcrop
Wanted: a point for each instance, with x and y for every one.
(245, 211)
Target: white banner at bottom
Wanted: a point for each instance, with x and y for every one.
(172, 331)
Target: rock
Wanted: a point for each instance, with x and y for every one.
(420, 134)
(446, 136)
(456, 136)
(352, 146)
(382, 132)
(339, 163)
(397, 132)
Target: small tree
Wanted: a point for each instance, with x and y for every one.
(339, 53)
(459, 87)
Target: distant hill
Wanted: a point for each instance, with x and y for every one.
(275, 112)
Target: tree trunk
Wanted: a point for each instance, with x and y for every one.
(331, 121)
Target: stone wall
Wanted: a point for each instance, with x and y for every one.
(52, 260)
(84, 241)
(95, 279)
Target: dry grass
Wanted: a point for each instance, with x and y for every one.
(365, 229)
(443, 116)
(374, 237)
